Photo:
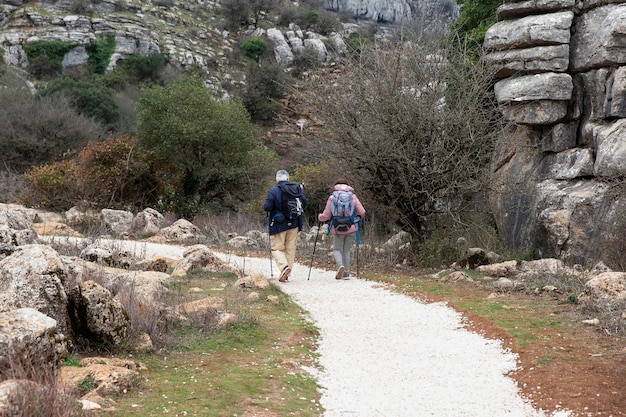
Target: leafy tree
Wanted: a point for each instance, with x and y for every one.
(412, 124)
(202, 145)
(91, 98)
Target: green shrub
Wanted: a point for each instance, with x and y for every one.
(100, 52)
(53, 186)
(476, 17)
(312, 17)
(87, 385)
(45, 57)
(116, 80)
(143, 68)
(356, 44)
(254, 47)
(265, 85)
(91, 98)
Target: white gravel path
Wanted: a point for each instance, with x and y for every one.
(387, 355)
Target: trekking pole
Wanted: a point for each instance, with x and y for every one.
(269, 239)
(319, 224)
(357, 260)
(358, 242)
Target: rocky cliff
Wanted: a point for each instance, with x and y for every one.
(186, 31)
(559, 172)
(392, 11)
(181, 30)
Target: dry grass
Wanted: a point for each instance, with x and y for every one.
(36, 390)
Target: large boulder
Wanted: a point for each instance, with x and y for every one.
(35, 276)
(199, 257)
(437, 13)
(16, 217)
(181, 231)
(97, 315)
(117, 221)
(11, 239)
(30, 339)
(147, 222)
(15, 228)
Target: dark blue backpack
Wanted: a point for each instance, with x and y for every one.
(292, 202)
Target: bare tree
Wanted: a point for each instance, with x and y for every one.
(413, 122)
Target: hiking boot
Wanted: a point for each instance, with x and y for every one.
(339, 273)
(284, 274)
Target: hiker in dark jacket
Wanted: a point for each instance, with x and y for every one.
(343, 237)
(283, 229)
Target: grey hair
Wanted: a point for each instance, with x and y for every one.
(282, 175)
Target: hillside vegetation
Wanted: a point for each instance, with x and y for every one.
(135, 136)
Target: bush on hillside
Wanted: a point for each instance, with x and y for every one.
(115, 173)
(45, 57)
(118, 173)
(253, 48)
(143, 69)
(304, 61)
(100, 52)
(476, 17)
(202, 146)
(241, 13)
(38, 130)
(91, 98)
(265, 85)
(53, 186)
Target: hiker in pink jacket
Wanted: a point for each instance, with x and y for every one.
(344, 210)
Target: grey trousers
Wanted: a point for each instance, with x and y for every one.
(341, 249)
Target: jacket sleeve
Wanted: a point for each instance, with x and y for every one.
(326, 214)
(269, 204)
(360, 210)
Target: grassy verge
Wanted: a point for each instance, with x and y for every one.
(256, 366)
(523, 320)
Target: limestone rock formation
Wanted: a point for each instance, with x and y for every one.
(558, 169)
(392, 11)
